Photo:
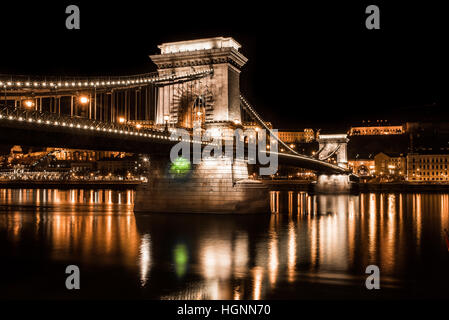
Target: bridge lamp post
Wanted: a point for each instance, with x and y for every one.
(121, 120)
(166, 117)
(198, 116)
(29, 103)
(84, 100)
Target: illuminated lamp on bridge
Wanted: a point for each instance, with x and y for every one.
(84, 100)
(121, 120)
(29, 103)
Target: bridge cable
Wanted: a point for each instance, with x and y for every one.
(258, 119)
(332, 153)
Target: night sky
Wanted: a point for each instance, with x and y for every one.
(309, 64)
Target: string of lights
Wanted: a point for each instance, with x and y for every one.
(18, 82)
(9, 113)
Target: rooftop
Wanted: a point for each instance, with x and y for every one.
(199, 44)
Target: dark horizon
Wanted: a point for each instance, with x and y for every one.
(315, 66)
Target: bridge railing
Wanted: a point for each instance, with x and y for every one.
(30, 80)
(35, 116)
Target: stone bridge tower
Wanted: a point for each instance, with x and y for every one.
(218, 95)
(334, 144)
(218, 184)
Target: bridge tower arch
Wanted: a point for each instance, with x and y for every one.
(334, 144)
(219, 92)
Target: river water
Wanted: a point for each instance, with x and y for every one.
(310, 247)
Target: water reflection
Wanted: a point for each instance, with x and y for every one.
(309, 241)
(75, 223)
(145, 258)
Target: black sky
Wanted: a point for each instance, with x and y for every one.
(310, 63)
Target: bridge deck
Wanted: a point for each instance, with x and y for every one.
(33, 128)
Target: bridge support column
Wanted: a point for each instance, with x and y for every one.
(216, 185)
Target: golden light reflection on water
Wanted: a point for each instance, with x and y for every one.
(145, 258)
(307, 238)
(216, 260)
(372, 226)
(273, 254)
(74, 222)
(257, 282)
(291, 264)
(241, 255)
(444, 211)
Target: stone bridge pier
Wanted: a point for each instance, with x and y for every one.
(215, 185)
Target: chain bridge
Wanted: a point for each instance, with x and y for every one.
(196, 88)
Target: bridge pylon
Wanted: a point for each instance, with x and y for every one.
(212, 104)
(215, 185)
(334, 144)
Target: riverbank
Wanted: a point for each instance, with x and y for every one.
(404, 187)
(278, 185)
(23, 184)
(289, 185)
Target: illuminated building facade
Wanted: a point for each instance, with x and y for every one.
(362, 167)
(82, 155)
(294, 136)
(117, 165)
(389, 164)
(427, 167)
(140, 124)
(248, 125)
(376, 129)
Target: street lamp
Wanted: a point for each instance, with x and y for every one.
(84, 100)
(29, 103)
(121, 120)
